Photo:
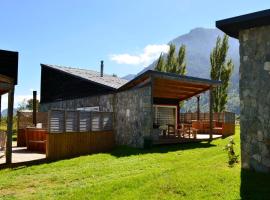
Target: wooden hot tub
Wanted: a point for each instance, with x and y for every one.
(36, 139)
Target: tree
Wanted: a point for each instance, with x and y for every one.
(173, 63)
(160, 64)
(221, 70)
(181, 61)
(28, 105)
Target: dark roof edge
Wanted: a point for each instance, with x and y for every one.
(233, 25)
(79, 77)
(180, 77)
(9, 51)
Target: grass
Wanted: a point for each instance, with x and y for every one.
(189, 171)
(3, 127)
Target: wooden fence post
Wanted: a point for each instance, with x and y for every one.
(211, 113)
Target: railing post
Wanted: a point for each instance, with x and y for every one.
(198, 107)
(211, 112)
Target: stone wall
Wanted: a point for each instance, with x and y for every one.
(133, 116)
(105, 103)
(255, 98)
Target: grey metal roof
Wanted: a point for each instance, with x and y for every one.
(107, 80)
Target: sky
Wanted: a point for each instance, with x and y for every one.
(127, 35)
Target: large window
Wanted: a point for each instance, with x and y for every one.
(164, 115)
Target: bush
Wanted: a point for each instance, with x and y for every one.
(233, 158)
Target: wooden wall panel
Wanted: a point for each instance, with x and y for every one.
(66, 145)
(21, 140)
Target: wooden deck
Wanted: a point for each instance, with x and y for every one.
(177, 140)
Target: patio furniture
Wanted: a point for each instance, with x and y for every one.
(171, 129)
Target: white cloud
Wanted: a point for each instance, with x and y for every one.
(17, 100)
(149, 54)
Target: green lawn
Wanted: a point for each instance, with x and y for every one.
(190, 171)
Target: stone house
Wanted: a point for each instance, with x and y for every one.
(138, 105)
(253, 32)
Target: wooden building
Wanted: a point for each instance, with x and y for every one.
(8, 80)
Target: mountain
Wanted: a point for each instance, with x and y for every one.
(199, 43)
(129, 77)
(4, 112)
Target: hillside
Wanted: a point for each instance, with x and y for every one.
(199, 43)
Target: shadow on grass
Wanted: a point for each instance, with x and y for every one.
(119, 151)
(123, 151)
(254, 185)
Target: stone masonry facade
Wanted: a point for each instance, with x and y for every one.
(255, 98)
(133, 116)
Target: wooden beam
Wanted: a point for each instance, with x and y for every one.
(0, 109)
(168, 95)
(6, 79)
(9, 126)
(34, 113)
(5, 86)
(170, 90)
(180, 87)
(181, 83)
(211, 112)
(198, 107)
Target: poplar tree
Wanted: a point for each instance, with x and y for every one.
(173, 63)
(181, 61)
(160, 64)
(221, 70)
(171, 60)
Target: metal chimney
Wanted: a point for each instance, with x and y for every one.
(101, 68)
(35, 108)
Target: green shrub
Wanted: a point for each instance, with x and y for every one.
(233, 158)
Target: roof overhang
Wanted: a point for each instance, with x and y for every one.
(9, 66)
(171, 86)
(232, 26)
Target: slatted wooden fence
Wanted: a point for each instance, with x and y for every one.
(74, 133)
(61, 121)
(25, 119)
(225, 117)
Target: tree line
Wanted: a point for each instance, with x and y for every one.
(221, 68)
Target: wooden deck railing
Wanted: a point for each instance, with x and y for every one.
(225, 117)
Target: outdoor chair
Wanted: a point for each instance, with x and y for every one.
(171, 129)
